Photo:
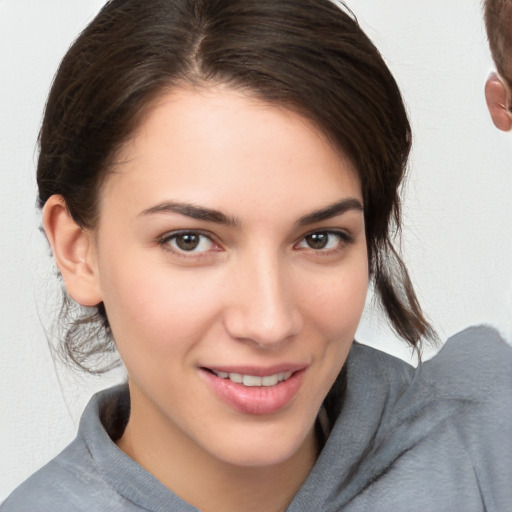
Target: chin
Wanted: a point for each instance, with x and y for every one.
(256, 447)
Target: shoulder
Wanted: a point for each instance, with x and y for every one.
(473, 347)
(470, 386)
(443, 437)
(475, 364)
(67, 483)
(473, 374)
(73, 481)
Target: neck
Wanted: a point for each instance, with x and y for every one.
(207, 482)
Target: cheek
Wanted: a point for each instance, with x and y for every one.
(337, 303)
(149, 305)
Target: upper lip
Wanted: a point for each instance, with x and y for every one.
(257, 371)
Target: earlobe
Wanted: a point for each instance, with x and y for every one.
(497, 102)
(74, 252)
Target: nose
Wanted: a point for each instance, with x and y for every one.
(262, 308)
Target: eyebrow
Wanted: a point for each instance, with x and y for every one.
(211, 215)
(331, 211)
(192, 211)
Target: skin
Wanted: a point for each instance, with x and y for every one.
(252, 293)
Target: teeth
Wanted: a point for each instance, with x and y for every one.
(284, 376)
(253, 380)
(271, 380)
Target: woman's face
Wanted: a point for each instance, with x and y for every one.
(231, 258)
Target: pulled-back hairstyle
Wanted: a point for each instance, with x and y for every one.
(498, 22)
(305, 55)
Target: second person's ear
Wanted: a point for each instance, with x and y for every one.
(497, 97)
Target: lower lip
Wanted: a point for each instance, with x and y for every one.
(256, 399)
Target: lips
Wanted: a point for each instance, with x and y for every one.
(255, 390)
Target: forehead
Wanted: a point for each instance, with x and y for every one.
(216, 145)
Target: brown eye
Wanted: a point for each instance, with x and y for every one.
(188, 241)
(317, 240)
(325, 241)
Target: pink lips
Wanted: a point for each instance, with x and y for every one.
(258, 399)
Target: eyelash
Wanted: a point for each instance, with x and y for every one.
(165, 241)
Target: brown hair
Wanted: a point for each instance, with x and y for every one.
(498, 22)
(306, 55)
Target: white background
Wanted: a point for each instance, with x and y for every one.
(458, 212)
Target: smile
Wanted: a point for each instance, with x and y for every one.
(266, 393)
(254, 380)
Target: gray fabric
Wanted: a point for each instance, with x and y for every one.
(438, 438)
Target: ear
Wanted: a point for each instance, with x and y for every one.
(74, 252)
(496, 95)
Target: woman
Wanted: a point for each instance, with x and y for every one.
(219, 183)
